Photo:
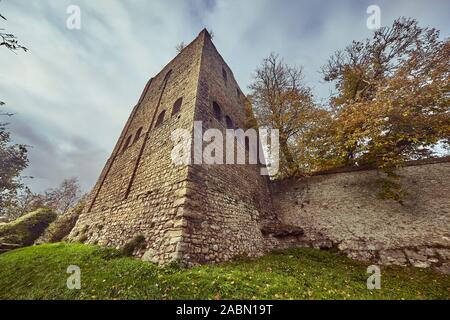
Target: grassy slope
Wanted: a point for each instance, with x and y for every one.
(40, 273)
(26, 229)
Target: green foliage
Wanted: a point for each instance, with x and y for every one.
(134, 244)
(391, 190)
(25, 230)
(391, 103)
(39, 272)
(281, 100)
(59, 229)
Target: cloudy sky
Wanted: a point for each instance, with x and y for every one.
(74, 90)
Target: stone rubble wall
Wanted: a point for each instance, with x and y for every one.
(343, 211)
(212, 213)
(193, 214)
(226, 204)
(152, 208)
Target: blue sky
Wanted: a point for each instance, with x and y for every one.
(74, 90)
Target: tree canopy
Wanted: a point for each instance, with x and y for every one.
(391, 103)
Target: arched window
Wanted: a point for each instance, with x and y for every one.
(217, 111)
(238, 92)
(138, 135)
(127, 143)
(160, 119)
(224, 74)
(229, 122)
(177, 106)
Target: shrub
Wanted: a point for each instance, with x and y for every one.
(25, 230)
(62, 226)
(136, 243)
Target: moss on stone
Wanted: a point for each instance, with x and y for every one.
(25, 230)
(59, 229)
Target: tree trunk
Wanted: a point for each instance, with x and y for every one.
(292, 166)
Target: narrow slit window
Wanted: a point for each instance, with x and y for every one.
(217, 111)
(229, 122)
(127, 143)
(177, 106)
(160, 119)
(138, 135)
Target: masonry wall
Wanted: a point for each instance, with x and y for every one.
(227, 203)
(140, 191)
(342, 210)
(194, 213)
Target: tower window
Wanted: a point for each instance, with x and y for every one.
(138, 135)
(127, 143)
(224, 74)
(177, 106)
(160, 119)
(229, 122)
(217, 111)
(238, 93)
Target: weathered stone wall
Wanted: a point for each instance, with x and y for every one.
(203, 213)
(343, 210)
(227, 203)
(195, 213)
(140, 190)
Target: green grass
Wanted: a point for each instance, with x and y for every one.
(39, 272)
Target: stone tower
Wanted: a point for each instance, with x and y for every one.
(194, 213)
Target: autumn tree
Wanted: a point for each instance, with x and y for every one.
(60, 199)
(63, 197)
(13, 160)
(281, 100)
(392, 101)
(13, 157)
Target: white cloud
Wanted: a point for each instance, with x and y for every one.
(75, 89)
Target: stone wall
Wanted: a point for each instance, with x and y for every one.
(343, 210)
(202, 213)
(226, 203)
(196, 213)
(140, 191)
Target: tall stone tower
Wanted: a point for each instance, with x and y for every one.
(196, 213)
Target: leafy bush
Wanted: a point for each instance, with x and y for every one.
(62, 226)
(25, 230)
